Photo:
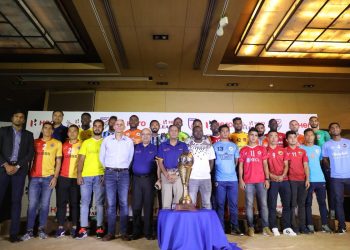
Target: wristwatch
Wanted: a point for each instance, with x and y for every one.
(267, 179)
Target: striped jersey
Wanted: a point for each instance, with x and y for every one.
(70, 159)
(45, 157)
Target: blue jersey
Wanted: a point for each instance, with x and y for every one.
(225, 167)
(338, 153)
(314, 155)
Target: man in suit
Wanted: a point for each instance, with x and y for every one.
(16, 153)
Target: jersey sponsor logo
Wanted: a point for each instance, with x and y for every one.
(226, 157)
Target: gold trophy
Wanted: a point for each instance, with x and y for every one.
(185, 167)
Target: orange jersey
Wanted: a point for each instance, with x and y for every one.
(45, 157)
(70, 159)
(240, 139)
(300, 139)
(134, 135)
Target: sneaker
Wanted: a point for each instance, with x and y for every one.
(267, 231)
(60, 233)
(99, 233)
(82, 233)
(251, 231)
(326, 229)
(42, 234)
(73, 232)
(311, 229)
(288, 231)
(341, 231)
(236, 231)
(275, 231)
(29, 235)
(305, 230)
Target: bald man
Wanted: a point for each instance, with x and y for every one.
(143, 168)
(116, 154)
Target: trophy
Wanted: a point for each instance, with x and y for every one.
(185, 167)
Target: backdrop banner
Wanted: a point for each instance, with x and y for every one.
(35, 120)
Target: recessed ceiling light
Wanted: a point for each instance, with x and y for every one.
(232, 84)
(308, 86)
(161, 37)
(18, 83)
(271, 85)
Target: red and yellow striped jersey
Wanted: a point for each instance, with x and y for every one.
(45, 157)
(70, 159)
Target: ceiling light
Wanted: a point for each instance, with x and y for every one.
(223, 22)
(232, 84)
(161, 37)
(309, 86)
(297, 29)
(271, 85)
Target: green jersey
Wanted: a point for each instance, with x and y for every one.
(321, 137)
(182, 136)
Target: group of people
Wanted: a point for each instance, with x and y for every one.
(85, 162)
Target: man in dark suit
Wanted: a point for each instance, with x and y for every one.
(16, 153)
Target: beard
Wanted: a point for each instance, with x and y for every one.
(97, 132)
(154, 130)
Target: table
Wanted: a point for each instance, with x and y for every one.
(191, 230)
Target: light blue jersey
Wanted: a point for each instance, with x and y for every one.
(315, 156)
(338, 153)
(225, 168)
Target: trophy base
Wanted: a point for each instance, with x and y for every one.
(185, 207)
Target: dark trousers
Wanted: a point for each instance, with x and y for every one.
(330, 193)
(282, 188)
(17, 186)
(320, 189)
(67, 192)
(338, 187)
(299, 194)
(142, 198)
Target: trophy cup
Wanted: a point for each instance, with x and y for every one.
(185, 167)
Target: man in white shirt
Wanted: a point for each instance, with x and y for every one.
(116, 154)
(200, 179)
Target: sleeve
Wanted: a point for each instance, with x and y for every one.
(26, 160)
(325, 150)
(2, 157)
(103, 152)
(265, 156)
(59, 149)
(327, 137)
(131, 151)
(242, 157)
(161, 151)
(286, 155)
(211, 153)
(186, 150)
(305, 158)
(237, 153)
(82, 150)
(321, 156)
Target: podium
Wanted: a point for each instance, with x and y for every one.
(191, 230)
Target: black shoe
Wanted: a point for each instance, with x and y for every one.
(236, 231)
(125, 237)
(15, 238)
(341, 231)
(304, 231)
(134, 237)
